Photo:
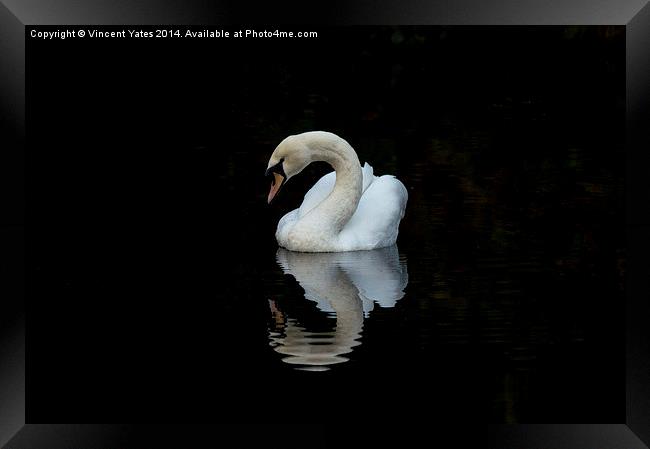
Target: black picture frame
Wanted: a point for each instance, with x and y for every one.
(15, 15)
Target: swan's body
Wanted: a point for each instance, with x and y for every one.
(349, 209)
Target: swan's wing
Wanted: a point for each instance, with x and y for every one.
(376, 221)
(317, 193)
(368, 176)
(324, 186)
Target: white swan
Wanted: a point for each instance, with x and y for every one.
(345, 285)
(349, 209)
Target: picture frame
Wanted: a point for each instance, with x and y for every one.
(15, 16)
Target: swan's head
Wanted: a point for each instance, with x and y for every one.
(288, 159)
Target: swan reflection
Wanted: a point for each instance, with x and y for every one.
(344, 285)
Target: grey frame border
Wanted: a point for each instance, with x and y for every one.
(634, 14)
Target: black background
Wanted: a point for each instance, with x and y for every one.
(136, 191)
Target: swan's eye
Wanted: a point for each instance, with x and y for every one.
(277, 168)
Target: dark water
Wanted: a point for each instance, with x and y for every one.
(156, 286)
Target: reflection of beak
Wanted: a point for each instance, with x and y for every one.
(277, 182)
(277, 315)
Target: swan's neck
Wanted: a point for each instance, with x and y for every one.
(342, 202)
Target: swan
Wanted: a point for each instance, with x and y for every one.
(346, 285)
(348, 209)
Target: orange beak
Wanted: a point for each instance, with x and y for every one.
(278, 179)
